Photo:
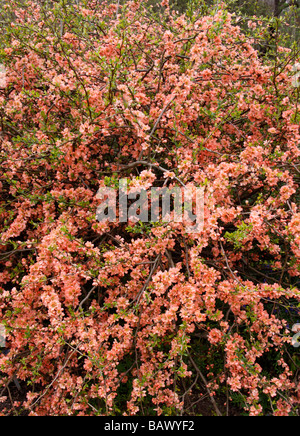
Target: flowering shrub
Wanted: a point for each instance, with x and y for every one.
(117, 318)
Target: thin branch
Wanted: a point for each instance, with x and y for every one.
(206, 385)
(187, 258)
(151, 165)
(56, 377)
(86, 298)
(155, 265)
(157, 121)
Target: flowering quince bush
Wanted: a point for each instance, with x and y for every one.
(111, 318)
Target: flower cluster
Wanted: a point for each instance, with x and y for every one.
(105, 318)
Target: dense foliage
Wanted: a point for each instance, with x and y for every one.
(118, 318)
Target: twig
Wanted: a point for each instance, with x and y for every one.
(86, 298)
(56, 377)
(187, 391)
(151, 165)
(170, 259)
(187, 258)
(155, 265)
(157, 122)
(206, 385)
